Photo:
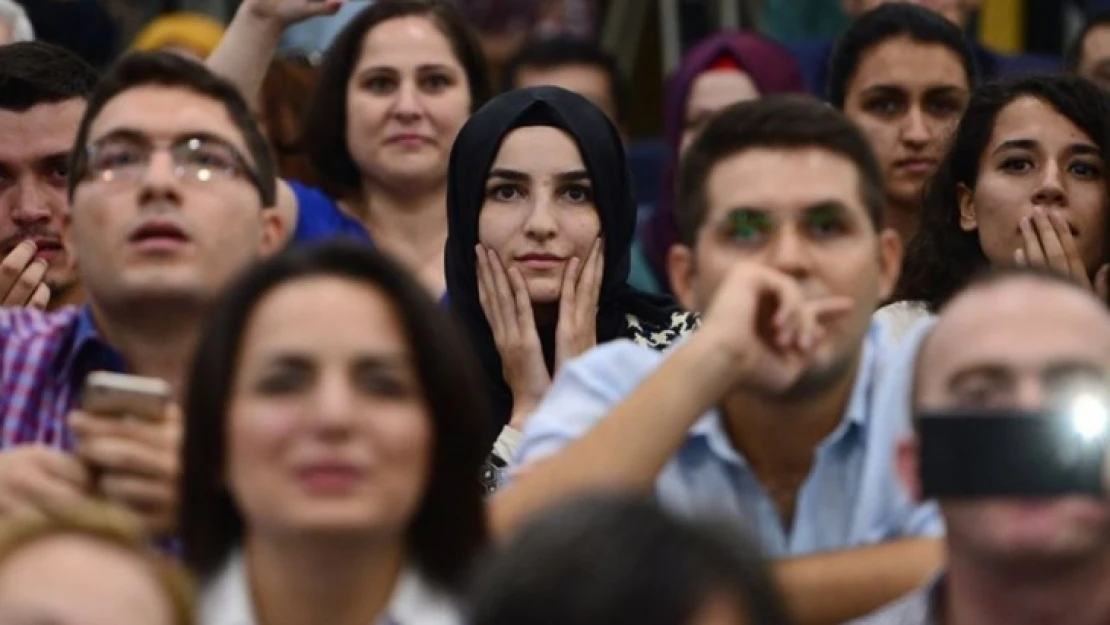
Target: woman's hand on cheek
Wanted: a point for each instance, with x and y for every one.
(504, 299)
(1049, 242)
(578, 305)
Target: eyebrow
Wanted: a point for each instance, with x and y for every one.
(376, 360)
(993, 372)
(576, 175)
(822, 205)
(1080, 149)
(420, 68)
(138, 136)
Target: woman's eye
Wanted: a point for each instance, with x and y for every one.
(504, 193)
(1016, 165)
(284, 382)
(435, 82)
(578, 194)
(379, 384)
(378, 84)
(883, 106)
(945, 107)
(1086, 170)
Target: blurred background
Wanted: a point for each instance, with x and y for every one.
(647, 36)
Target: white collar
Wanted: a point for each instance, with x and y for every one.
(226, 600)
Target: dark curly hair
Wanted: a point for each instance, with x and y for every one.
(943, 257)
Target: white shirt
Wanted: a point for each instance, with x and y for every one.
(226, 600)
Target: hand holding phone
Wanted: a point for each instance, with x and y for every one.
(129, 432)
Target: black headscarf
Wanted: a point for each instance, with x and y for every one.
(603, 153)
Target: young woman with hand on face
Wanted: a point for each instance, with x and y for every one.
(392, 92)
(1025, 183)
(541, 219)
(335, 429)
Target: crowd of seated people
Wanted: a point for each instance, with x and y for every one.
(392, 336)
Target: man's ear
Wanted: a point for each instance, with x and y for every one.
(274, 232)
(908, 465)
(969, 221)
(681, 270)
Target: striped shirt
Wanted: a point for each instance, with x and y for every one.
(44, 359)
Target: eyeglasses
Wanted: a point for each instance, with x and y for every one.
(199, 158)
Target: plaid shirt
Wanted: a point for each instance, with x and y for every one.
(44, 358)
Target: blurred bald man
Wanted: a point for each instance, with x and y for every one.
(1016, 340)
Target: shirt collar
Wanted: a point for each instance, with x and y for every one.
(88, 351)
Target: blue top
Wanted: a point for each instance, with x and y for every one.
(319, 217)
(851, 498)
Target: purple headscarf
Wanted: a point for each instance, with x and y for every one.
(773, 70)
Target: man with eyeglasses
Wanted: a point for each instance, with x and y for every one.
(171, 189)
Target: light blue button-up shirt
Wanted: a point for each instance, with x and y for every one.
(851, 498)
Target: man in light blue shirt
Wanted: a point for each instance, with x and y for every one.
(767, 413)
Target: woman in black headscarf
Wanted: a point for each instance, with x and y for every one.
(541, 219)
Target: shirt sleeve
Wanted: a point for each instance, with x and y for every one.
(924, 521)
(582, 394)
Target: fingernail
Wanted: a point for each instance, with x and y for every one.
(29, 243)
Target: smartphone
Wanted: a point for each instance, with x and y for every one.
(117, 394)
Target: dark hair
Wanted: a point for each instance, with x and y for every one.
(325, 127)
(942, 256)
(1074, 56)
(286, 90)
(163, 69)
(787, 122)
(556, 52)
(33, 73)
(616, 561)
(887, 22)
(450, 527)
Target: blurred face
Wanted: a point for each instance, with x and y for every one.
(711, 92)
(34, 148)
(153, 232)
(957, 11)
(907, 97)
(817, 232)
(589, 81)
(539, 209)
(406, 100)
(71, 580)
(1036, 158)
(975, 359)
(1094, 64)
(328, 431)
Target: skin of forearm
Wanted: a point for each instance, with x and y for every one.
(835, 587)
(246, 50)
(627, 449)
